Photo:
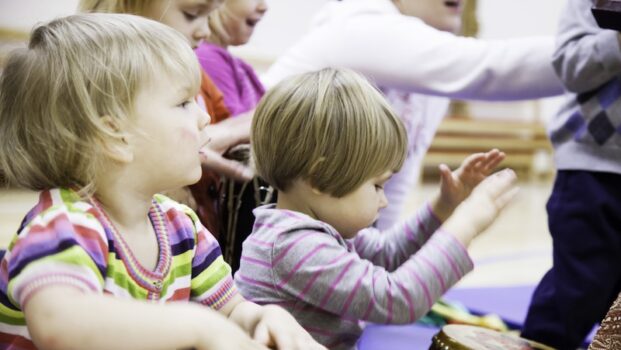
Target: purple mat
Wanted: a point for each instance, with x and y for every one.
(406, 337)
(510, 303)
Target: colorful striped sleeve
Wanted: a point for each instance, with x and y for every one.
(392, 247)
(212, 282)
(65, 245)
(311, 266)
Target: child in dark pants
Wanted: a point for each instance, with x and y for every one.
(584, 209)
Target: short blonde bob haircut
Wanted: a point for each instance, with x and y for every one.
(77, 70)
(331, 128)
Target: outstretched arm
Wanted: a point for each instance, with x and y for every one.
(269, 325)
(62, 317)
(429, 61)
(586, 56)
(392, 247)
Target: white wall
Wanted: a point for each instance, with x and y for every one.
(24, 14)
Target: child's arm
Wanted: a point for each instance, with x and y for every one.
(212, 286)
(270, 325)
(313, 267)
(455, 186)
(587, 56)
(62, 317)
(394, 246)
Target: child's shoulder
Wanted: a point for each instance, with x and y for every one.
(61, 212)
(173, 208)
(56, 202)
(287, 223)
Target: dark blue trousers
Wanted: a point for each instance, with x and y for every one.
(584, 217)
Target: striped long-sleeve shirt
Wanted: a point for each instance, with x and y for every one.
(331, 284)
(65, 240)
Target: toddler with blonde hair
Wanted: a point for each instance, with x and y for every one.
(99, 114)
(328, 141)
(190, 18)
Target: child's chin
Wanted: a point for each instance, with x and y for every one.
(194, 176)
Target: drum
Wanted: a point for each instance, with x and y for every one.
(236, 203)
(463, 337)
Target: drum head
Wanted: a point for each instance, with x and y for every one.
(463, 337)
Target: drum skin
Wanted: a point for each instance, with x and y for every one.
(464, 337)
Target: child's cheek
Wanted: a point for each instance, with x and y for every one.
(187, 135)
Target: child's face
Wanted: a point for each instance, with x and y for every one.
(444, 15)
(189, 17)
(239, 18)
(356, 210)
(168, 134)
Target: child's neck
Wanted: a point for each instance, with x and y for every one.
(127, 204)
(126, 209)
(295, 199)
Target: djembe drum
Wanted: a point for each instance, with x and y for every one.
(237, 200)
(463, 337)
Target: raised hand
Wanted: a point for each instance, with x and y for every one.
(455, 186)
(477, 212)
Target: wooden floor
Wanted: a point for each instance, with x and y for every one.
(516, 250)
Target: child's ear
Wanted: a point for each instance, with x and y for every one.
(316, 191)
(114, 144)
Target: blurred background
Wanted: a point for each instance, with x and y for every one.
(516, 250)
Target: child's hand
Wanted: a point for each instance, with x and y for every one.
(455, 186)
(476, 213)
(227, 167)
(278, 329)
(224, 334)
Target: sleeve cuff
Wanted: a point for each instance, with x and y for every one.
(27, 289)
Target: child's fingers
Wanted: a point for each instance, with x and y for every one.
(226, 167)
(262, 334)
(446, 176)
(471, 161)
(498, 184)
(506, 197)
(493, 161)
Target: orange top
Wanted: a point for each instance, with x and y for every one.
(214, 100)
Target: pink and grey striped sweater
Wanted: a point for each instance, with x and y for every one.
(331, 285)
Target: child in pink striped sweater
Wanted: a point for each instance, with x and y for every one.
(328, 141)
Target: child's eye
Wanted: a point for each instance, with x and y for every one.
(379, 187)
(185, 104)
(189, 16)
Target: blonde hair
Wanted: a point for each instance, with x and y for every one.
(331, 128)
(217, 31)
(134, 7)
(75, 71)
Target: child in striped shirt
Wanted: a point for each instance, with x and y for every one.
(99, 114)
(328, 141)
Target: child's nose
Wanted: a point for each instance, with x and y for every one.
(203, 119)
(202, 30)
(383, 200)
(262, 6)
